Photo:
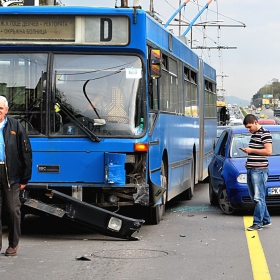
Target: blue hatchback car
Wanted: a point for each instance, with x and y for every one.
(228, 175)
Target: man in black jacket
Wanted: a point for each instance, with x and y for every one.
(15, 172)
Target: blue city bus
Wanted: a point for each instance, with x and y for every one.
(119, 111)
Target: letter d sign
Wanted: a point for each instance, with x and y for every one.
(106, 31)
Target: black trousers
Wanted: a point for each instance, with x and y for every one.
(10, 203)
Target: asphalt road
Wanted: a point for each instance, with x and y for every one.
(193, 241)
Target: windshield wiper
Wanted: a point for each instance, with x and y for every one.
(86, 96)
(89, 133)
(86, 82)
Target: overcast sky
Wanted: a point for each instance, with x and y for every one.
(241, 71)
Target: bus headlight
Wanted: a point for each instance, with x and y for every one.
(115, 224)
(242, 178)
(113, 199)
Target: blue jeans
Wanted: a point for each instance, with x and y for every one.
(256, 180)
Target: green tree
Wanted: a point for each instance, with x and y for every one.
(272, 88)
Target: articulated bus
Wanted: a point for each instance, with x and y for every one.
(119, 111)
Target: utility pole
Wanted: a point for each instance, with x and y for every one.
(180, 18)
(152, 6)
(222, 95)
(50, 2)
(124, 3)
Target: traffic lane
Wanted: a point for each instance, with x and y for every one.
(268, 113)
(190, 244)
(229, 224)
(269, 240)
(194, 241)
(186, 238)
(268, 237)
(219, 247)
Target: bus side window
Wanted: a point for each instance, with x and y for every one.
(153, 94)
(57, 122)
(35, 120)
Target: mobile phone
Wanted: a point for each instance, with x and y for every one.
(241, 149)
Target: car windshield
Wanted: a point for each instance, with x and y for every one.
(239, 141)
(242, 141)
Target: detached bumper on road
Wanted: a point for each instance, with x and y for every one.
(87, 215)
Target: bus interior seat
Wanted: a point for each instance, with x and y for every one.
(116, 110)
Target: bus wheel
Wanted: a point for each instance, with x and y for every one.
(188, 194)
(157, 212)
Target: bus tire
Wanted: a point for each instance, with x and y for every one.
(188, 194)
(157, 212)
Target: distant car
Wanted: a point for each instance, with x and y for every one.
(257, 112)
(236, 122)
(228, 176)
(267, 121)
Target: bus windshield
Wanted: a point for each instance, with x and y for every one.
(100, 93)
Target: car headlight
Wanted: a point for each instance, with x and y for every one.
(115, 224)
(242, 179)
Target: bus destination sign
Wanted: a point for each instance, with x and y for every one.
(90, 30)
(107, 30)
(37, 28)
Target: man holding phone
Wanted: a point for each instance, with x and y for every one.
(260, 147)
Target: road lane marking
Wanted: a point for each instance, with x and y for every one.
(258, 261)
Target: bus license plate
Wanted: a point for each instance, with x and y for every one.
(273, 191)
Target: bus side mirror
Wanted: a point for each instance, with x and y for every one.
(155, 63)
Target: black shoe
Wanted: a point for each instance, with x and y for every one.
(255, 227)
(267, 224)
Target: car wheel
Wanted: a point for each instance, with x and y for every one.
(212, 196)
(223, 201)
